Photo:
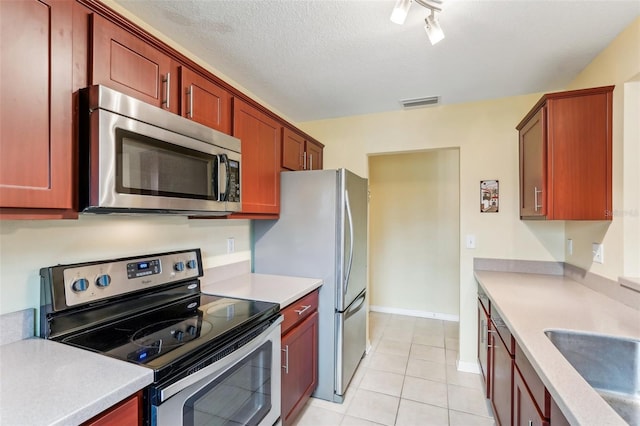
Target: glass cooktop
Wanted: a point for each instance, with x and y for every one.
(171, 336)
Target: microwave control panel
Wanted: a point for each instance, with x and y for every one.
(234, 181)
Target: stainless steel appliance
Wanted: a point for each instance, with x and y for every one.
(135, 157)
(216, 360)
(322, 232)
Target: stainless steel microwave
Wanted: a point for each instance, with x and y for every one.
(137, 158)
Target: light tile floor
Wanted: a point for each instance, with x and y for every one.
(408, 378)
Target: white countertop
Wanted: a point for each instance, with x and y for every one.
(268, 288)
(49, 383)
(530, 304)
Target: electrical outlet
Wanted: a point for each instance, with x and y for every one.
(569, 246)
(598, 252)
(231, 245)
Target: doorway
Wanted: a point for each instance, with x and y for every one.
(414, 228)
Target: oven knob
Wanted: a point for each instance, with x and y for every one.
(179, 266)
(191, 264)
(81, 284)
(178, 335)
(103, 281)
(192, 330)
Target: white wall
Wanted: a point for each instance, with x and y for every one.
(27, 246)
(414, 258)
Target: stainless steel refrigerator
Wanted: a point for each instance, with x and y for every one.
(322, 233)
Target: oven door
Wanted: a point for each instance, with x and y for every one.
(243, 388)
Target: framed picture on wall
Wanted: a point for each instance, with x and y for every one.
(489, 196)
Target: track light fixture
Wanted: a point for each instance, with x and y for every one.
(432, 27)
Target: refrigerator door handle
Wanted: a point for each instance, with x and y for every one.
(350, 218)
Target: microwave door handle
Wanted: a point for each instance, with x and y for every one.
(224, 195)
(215, 178)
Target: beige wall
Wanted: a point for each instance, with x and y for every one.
(414, 255)
(485, 134)
(618, 64)
(487, 140)
(27, 246)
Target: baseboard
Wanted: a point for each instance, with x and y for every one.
(468, 367)
(414, 313)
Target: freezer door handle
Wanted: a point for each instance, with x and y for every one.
(355, 306)
(350, 218)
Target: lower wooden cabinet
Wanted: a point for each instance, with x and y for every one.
(516, 393)
(125, 413)
(501, 379)
(525, 410)
(299, 355)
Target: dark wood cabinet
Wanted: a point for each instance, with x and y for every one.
(299, 153)
(566, 156)
(292, 150)
(52, 48)
(313, 153)
(36, 136)
(501, 375)
(516, 393)
(299, 355)
(130, 65)
(525, 411)
(204, 101)
(260, 169)
(125, 413)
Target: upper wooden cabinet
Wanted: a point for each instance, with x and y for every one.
(565, 156)
(204, 101)
(260, 168)
(299, 153)
(126, 63)
(313, 153)
(36, 149)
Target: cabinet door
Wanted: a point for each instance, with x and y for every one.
(533, 190)
(130, 65)
(125, 413)
(525, 412)
(204, 101)
(299, 367)
(260, 168)
(292, 150)
(579, 158)
(36, 148)
(314, 156)
(501, 381)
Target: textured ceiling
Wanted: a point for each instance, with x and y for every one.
(317, 59)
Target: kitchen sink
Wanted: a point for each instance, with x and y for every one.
(611, 365)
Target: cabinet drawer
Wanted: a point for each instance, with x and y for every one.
(503, 331)
(299, 310)
(535, 385)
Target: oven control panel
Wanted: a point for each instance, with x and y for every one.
(91, 282)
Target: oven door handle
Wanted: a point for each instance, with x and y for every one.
(222, 365)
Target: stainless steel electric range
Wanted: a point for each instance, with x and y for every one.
(216, 360)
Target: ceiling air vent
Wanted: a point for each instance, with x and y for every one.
(420, 102)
